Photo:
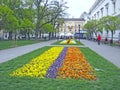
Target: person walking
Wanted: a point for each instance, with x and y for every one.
(99, 39)
(106, 41)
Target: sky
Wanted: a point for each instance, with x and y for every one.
(77, 7)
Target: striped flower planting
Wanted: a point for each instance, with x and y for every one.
(68, 41)
(53, 70)
(58, 62)
(38, 66)
(76, 66)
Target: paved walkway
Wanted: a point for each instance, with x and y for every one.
(9, 54)
(70, 45)
(110, 53)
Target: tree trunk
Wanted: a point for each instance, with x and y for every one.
(10, 35)
(15, 41)
(111, 41)
(38, 21)
(55, 33)
(28, 35)
(52, 35)
(107, 33)
(36, 32)
(40, 34)
(49, 35)
(96, 36)
(25, 35)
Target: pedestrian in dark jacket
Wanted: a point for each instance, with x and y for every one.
(106, 40)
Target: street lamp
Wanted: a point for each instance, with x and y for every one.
(64, 29)
(79, 31)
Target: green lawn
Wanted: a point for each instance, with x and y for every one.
(58, 43)
(10, 44)
(108, 75)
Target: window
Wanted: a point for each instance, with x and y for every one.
(114, 5)
(107, 6)
(101, 12)
(98, 14)
(95, 16)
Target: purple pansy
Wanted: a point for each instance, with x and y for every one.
(53, 70)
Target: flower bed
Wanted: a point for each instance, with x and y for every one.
(53, 70)
(68, 41)
(38, 66)
(58, 62)
(75, 66)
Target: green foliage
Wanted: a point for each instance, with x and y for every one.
(91, 27)
(8, 20)
(5, 14)
(28, 13)
(36, 14)
(12, 23)
(48, 28)
(110, 23)
(88, 25)
(49, 12)
(26, 24)
(100, 25)
(5, 11)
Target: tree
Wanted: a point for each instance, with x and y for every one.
(48, 28)
(100, 25)
(91, 27)
(39, 12)
(46, 11)
(110, 23)
(27, 27)
(8, 20)
(12, 26)
(15, 6)
(5, 12)
(58, 12)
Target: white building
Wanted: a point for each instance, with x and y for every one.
(72, 25)
(103, 8)
(84, 16)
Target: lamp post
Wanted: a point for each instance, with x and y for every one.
(79, 31)
(64, 30)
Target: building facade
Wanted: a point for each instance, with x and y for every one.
(71, 26)
(84, 16)
(102, 8)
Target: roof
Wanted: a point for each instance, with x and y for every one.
(73, 19)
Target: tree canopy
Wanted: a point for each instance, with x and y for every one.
(109, 23)
(32, 14)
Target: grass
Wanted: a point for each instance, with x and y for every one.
(115, 44)
(107, 73)
(77, 43)
(10, 44)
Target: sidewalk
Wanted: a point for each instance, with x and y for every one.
(110, 53)
(11, 53)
